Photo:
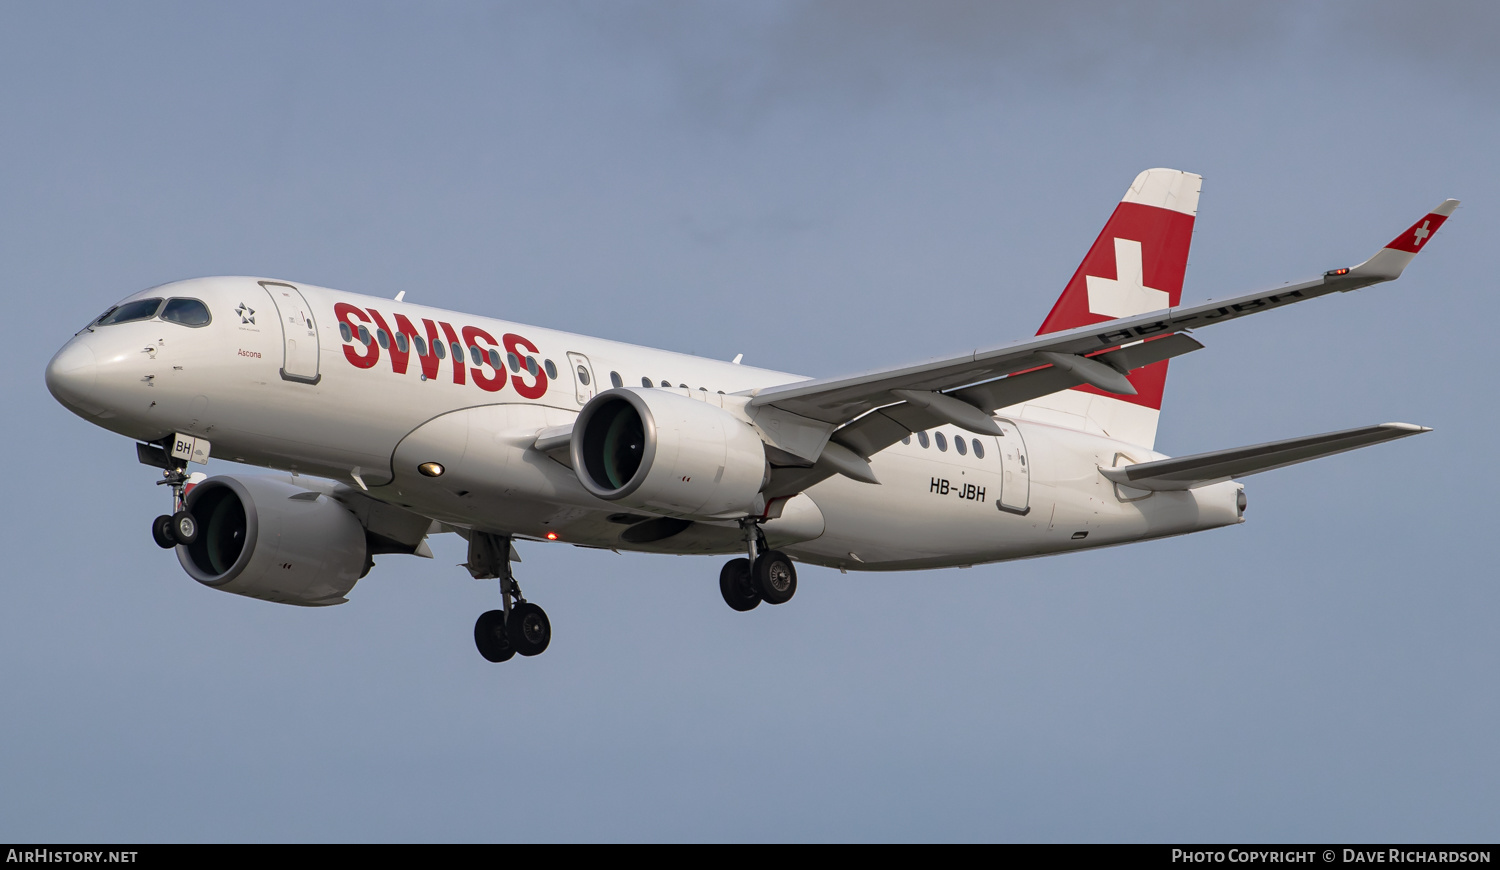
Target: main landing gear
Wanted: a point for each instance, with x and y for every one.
(767, 575)
(520, 626)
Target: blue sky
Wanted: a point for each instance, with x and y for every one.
(824, 187)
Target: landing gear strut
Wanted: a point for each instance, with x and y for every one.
(767, 575)
(520, 626)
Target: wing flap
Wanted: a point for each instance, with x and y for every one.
(880, 429)
(1189, 472)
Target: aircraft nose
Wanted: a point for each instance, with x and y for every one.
(71, 376)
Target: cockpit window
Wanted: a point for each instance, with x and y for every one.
(140, 309)
(188, 312)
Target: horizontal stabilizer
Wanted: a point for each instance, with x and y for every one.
(1188, 472)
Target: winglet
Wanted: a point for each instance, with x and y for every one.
(1389, 262)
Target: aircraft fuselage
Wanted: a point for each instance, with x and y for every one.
(361, 389)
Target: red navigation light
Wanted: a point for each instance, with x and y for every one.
(1336, 272)
(552, 536)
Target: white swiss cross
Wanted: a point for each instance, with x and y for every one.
(1126, 294)
(1421, 233)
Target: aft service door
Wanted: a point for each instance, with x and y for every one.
(298, 333)
(1015, 492)
(583, 376)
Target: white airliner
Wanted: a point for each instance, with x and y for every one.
(398, 421)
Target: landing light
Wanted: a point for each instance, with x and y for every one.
(431, 469)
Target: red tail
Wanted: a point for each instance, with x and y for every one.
(1135, 266)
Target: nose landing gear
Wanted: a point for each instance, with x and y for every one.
(520, 626)
(178, 527)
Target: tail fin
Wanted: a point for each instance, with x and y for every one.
(1135, 266)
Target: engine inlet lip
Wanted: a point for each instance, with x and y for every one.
(632, 397)
(252, 531)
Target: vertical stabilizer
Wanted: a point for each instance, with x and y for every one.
(1135, 266)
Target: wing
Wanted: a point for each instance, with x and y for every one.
(1079, 352)
(839, 426)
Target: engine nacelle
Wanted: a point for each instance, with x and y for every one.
(668, 453)
(269, 539)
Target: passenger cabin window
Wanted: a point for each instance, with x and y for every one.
(922, 439)
(646, 382)
(515, 363)
(188, 312)
(140, 309)
(583, 375)
(401, 343)
(421, 346)
(439, 349)
(364, 336)
(458, 351)
(531, 365)
(978, 449)
(614, 378)
(961, 446)
(942, 441)
(494, 357)
(906, 440)
(552, 372)
(380, 336)
(474, 356)
(345, 332)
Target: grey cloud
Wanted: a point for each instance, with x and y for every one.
(1453, 40)
(725, 63)
(729, 60)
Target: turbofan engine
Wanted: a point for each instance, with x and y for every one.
(269, 539)
(668, 453)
